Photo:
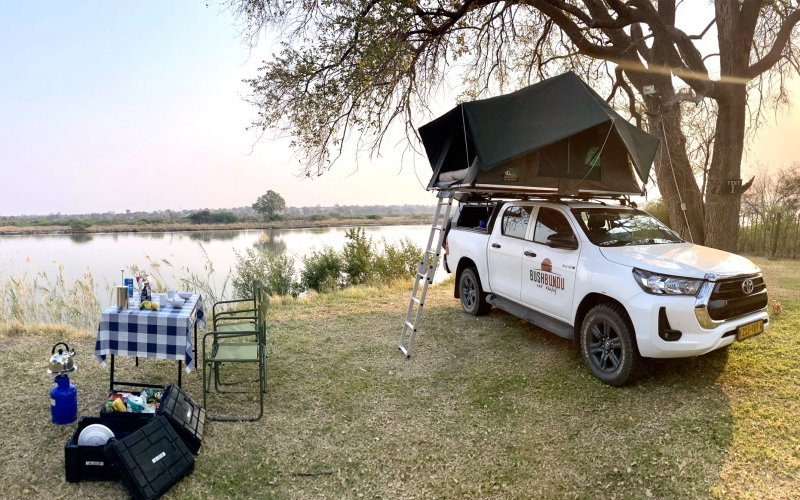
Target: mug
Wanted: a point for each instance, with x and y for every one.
(122, 297)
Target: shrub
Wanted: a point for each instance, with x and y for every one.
(658, 209)
(274, 272)
(224, 217)
(317, 217)
(200, 217)
(397, 261)
(357, 257)
(374, 217)
(79, 225)
(322, 271)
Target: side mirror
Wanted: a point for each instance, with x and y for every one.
(566, 241)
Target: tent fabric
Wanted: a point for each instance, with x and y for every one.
(554, 133)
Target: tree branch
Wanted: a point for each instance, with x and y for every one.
(776, 52)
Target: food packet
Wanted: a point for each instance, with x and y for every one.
(136, 404)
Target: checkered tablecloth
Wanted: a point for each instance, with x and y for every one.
(162, 334)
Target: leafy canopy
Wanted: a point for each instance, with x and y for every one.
(270, 205)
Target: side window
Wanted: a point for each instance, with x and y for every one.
(515, 221)
(549, 222)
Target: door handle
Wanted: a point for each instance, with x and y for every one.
(495, 245)
(528, 253)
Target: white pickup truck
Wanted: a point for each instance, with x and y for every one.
(612, 278)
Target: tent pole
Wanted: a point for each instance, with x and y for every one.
(464, 128)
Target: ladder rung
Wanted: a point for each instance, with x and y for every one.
(416, 301)
(411, 325)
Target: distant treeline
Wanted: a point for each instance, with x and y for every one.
(215, 216)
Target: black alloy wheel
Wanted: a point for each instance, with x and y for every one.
(473, 300)
(607, 345)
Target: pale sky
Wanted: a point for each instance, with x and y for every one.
(109, 106)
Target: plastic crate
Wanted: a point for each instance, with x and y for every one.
(89, 463)
(151, 460)
(187, 417)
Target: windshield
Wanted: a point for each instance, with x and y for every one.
(616, 227)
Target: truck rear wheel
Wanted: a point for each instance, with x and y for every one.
(473, 299)
(607, 345)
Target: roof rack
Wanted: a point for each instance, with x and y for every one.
(478, 193)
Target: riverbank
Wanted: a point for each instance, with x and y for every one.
(499, 409)
(187, 226)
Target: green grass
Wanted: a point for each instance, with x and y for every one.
(487, 407)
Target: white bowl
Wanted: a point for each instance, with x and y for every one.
(176, 302)
(95, 435)
(185, 295)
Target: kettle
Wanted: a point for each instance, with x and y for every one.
(62, 362)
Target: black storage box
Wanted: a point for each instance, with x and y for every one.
(187, 417)
(151, 460)
(89, 463)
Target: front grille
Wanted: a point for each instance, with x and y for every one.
(728, 300)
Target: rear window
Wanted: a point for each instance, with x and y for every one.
(515, 221)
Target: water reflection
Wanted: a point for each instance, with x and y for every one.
(80, 237)
(269, 241)
(208, 236)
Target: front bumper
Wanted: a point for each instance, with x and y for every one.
(687, 315)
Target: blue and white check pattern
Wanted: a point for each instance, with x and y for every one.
(162, 334)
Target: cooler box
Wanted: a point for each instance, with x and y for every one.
(186, 416)
(89, 463)
(150, 460)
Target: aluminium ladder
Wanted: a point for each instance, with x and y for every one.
(426, 271)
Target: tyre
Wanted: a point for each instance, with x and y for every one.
(607, 345)
(473, 299)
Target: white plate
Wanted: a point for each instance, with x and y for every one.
(95, 435)
(185, 295)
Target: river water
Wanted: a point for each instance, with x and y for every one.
(104, 255)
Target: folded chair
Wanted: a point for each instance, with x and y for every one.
(235, 349)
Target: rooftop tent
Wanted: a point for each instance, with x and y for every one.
(556, 134)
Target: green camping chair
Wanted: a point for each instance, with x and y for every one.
(239, 315)
(235, 349)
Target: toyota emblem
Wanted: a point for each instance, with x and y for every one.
(747, 286)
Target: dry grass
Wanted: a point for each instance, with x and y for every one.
(389, 220)
(487, 408)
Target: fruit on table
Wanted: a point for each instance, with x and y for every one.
(146, 305)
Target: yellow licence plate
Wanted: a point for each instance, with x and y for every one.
(749, 330)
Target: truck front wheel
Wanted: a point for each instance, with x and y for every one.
(473, 300)
(607, 345)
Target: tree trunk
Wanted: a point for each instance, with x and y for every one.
(734, 33)
(722, 206)
(676, 182)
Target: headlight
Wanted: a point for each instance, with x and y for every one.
(659, 284)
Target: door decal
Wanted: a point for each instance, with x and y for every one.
(546, 278)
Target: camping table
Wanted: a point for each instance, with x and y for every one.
(162, 334)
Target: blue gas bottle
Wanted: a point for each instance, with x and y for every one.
(63, 401)
(64, 396)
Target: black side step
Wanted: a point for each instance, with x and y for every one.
(542, 321)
